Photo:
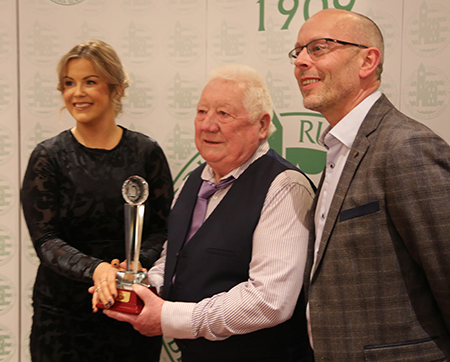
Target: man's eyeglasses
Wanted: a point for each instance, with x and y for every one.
(318, 47)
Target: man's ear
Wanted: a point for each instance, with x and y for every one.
(264, 122)
(371, 59)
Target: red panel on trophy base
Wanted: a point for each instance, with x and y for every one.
(127, 301)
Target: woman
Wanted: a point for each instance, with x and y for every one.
(74, 210)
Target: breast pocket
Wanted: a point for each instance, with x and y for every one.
(359, 211)
(425, 350)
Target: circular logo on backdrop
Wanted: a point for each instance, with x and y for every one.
(7, 195)
(6, 42)
(140, 8)
(183, 45)
(8, 344)
(141, 127)
(41, 97)
(43, 43)
(183, 6)
(39, 7)
(88, 31)
(138, 44)
(25, 346)
(94, 8)
(67, 2)
(7, 145)
(389, 27)
(142, 97)
(6, 96)
(8, 295)
(7, 245)
(297, 139)
(229, 43)
(281, 90)
(29, 251)
(273, 44)
(38, 134)
(27, 295)
(389, 88)
(228, 5)
(179, 147)
(181, 96)
(427, 92)
(427, 30)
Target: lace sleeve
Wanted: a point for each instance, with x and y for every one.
(39, 196)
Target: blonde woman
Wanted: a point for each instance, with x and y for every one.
(73, 207)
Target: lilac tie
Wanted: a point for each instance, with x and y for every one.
(207, 189)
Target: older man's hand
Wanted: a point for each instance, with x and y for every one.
(148, 322)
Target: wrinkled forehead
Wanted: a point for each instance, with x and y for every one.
(220, 91)
(224, 87)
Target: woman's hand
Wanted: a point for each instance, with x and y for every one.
(105, 288)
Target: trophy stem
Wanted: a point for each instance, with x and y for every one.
(138, 236)
(134, 221)
(135, 193)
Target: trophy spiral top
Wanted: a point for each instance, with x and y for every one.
(135, 190)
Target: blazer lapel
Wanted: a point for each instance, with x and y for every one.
(356, 155)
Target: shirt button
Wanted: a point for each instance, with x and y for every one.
(322, 216)
(331, 165)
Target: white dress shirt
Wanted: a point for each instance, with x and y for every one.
(269, 296)
(338, 141)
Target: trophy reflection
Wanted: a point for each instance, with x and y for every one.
(135, 193)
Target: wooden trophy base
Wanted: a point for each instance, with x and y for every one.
(127, 301)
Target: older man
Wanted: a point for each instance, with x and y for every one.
(377, 277)
(231, 285)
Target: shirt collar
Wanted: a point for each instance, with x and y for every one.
(346, 129)
(209, 175)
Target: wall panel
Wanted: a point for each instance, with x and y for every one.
(168, 47)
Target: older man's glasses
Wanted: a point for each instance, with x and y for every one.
(319, 47)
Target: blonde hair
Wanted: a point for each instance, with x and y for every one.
(106, 62)
(257, 100)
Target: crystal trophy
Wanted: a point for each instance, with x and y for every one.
(135, 193)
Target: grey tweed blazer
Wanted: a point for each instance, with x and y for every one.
(380, 290)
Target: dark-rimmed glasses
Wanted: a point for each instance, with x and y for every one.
(318, 47)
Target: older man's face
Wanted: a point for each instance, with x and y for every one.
(223, 134)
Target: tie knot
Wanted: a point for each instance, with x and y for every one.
(208, 188)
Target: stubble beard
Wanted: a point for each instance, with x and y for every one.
(315, 102)
(327, 99)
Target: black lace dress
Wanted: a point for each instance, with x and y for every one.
(73, 207)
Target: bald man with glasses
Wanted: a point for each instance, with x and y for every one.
(377, 273)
